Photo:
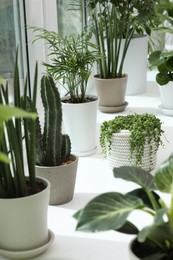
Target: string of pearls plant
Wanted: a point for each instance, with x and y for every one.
(144, 128)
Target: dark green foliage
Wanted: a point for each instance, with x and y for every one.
(15, 124)
(163, 61)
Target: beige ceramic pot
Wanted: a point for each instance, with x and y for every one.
(62, 179)
(111, 93)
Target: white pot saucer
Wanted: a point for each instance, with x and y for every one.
(168, 112)
(28, 253)
(113, 109)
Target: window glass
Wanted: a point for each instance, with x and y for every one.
(69, 16)
(10, 37)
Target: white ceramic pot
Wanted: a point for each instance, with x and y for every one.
(62, 179)
(166, 94)
(23, 221)
(135, 65)
(119, 154)
(80, 124)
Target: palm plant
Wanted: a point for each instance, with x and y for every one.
(72, 59)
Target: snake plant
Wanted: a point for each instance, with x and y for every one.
(15, 124)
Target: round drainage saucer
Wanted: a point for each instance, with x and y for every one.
(27, 254)
(113, 109)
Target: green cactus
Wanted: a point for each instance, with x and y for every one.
(52, 147)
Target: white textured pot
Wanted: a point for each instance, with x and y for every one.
(80, 124)
(166, 94)
(62, 179)
(120, 152)
(111, 93)
(23, 221)
(135, 65)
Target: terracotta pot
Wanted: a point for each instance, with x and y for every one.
(111, 93)
(62, 179)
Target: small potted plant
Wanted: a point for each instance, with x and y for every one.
(163, 62)
(54, 160)
(114, 25)
(24, 198)
(131, 140)
(110, 211)
(72, 59)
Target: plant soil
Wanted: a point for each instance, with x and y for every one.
(87, 100)
(39, 187)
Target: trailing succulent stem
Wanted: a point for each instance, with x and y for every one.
(52, 147)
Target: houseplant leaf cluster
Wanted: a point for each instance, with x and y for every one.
(72, 59)
(143, 128)
(113, 21)
(15, 124)
(163, 61)
(110, 211)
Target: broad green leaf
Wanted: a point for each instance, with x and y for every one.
(162, 79)
(108, 211)
(136, 175)
(140, 193)
(164, 176)
(155, 58)
(169, 64)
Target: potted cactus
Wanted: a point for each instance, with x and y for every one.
(54, 160)
(23, 196)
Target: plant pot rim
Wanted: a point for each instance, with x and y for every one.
(45, 181)
(97, 77)
(95, 98)
(72, 156)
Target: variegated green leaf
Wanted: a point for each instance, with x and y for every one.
(108, 211)
(136, 175)
(164, 176)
